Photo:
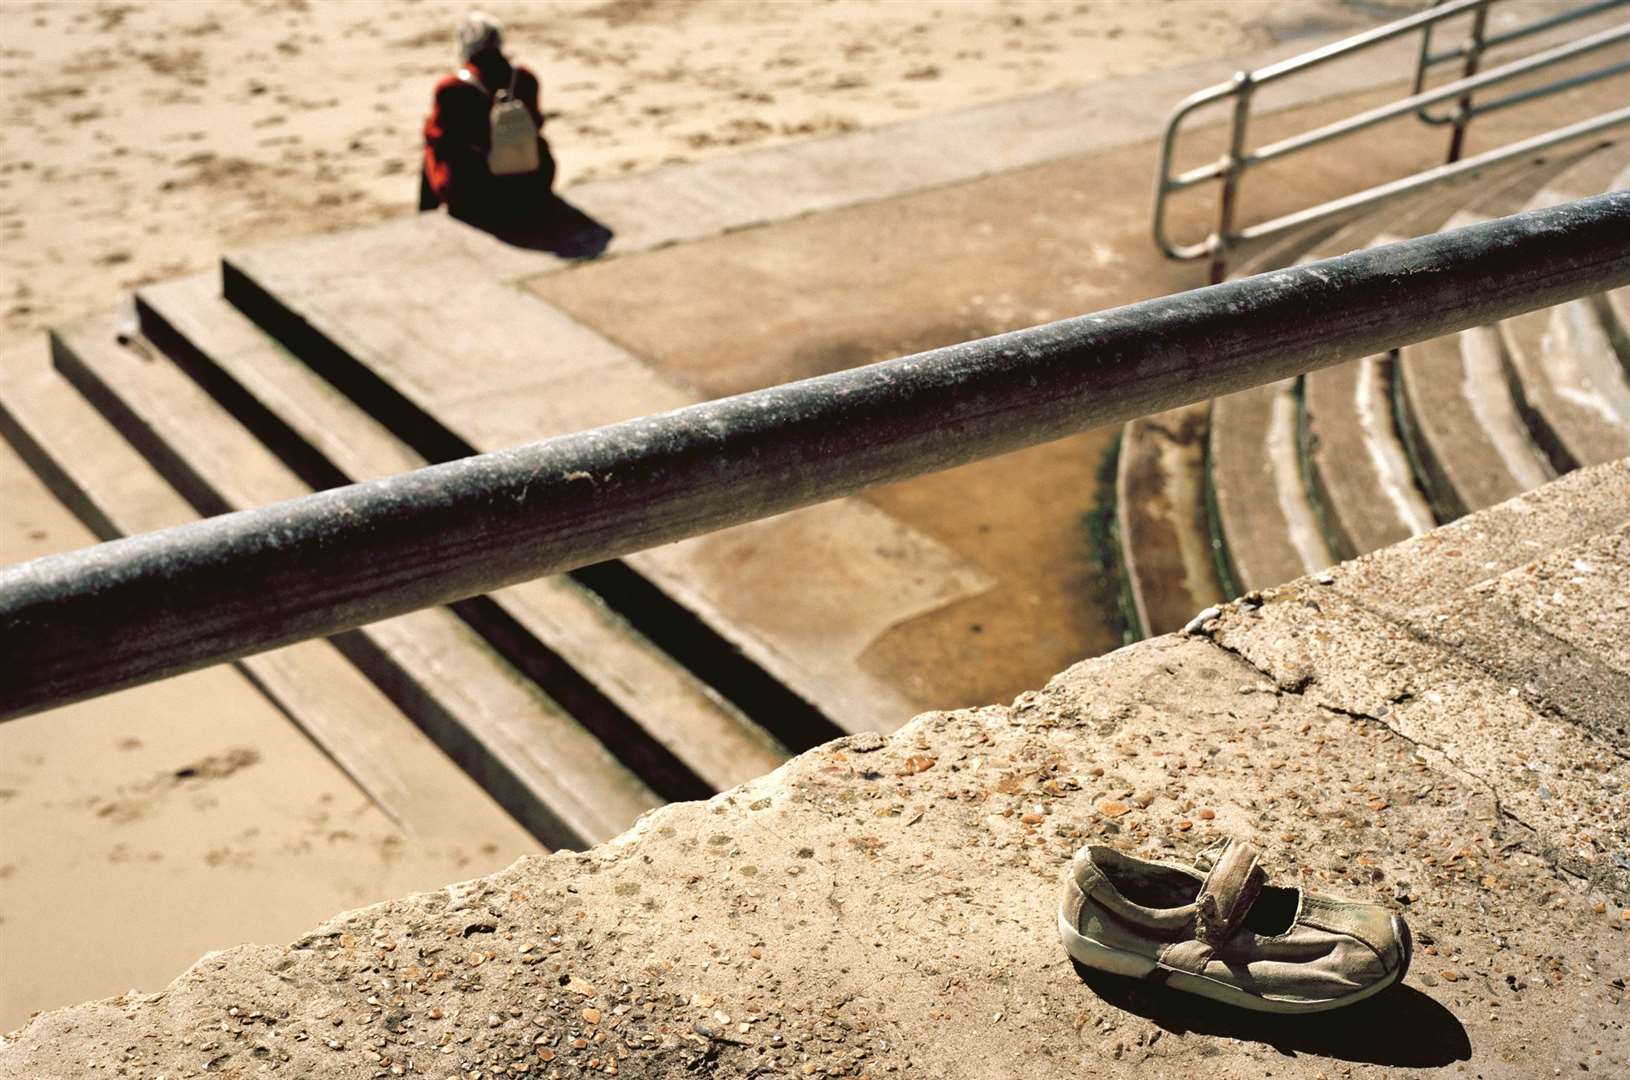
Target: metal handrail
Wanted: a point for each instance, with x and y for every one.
(1480, 42)
(1232, 166)
(121, 613)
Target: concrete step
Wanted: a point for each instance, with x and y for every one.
(1364, 488)
(533, 758)
(1543, 628)
(488, 367)
(1171, 557)
(1616, 318)
(1469, 447)
(1569, 381)
(1266, 524)
(1167, 553)
(681, 737)
(1361, 485)
(1298, 483)
(1262, 514)
(115, 492)
(1558, 766)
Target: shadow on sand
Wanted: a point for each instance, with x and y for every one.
(557, 227)
(1399, 1027)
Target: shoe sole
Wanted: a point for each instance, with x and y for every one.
(1118, 962)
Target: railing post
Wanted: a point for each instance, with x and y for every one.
(1233, 170)
(1474, 54)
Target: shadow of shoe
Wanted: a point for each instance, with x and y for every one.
(1399, 1027)
(558, 227)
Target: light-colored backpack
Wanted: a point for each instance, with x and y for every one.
(514, 146)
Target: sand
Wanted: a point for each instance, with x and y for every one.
(143, 139)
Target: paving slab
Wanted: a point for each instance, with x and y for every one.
(887, 904)
(520, 746)
(681, 736)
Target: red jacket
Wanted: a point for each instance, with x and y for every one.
(458, 134)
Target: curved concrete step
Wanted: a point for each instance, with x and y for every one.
(1469, 447)
(1268, 530)
(109, 486)
(1170, 552)
(1366, 496)
(533, 758)
(1362, 486)
(1267, 444)
(1616, 317)
(1569, 384)
(680, 736)
(1567, 377)
(1167, 551)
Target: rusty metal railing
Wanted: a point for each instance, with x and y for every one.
(130, 611)
(1230, 170)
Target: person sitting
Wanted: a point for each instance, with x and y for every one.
(485, 157)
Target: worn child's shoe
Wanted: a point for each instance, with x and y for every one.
(1227, 934)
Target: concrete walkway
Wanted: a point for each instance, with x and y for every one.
(885, 905)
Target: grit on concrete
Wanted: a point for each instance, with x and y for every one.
(885, 906)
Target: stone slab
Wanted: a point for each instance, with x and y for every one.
(535, 760)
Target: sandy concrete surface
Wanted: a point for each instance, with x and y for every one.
(885, 906)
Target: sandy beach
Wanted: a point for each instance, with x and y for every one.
(146, 138)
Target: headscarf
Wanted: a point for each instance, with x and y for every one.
(477, 34)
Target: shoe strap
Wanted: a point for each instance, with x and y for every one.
(1229, 890)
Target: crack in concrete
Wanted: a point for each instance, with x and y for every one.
(1538, 702)
(1535, 844)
